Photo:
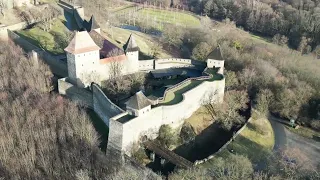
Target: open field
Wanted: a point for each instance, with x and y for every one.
(51, 41)
(256, 141)
(200, 120)
(119, 37)
(170, 16)
(157, 18)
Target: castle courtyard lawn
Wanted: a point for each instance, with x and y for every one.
(174, 97)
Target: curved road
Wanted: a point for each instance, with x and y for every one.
(286, 139)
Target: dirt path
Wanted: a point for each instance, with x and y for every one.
(286, 139)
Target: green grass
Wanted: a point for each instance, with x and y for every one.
(174, 97)
(253, 143)
(260, 39)
(119, 37)
(170, 17)
(100, 127)
(305, 132)
(200, 120)
(46, 40)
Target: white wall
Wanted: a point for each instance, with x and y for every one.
(174, 115)
(83, 68)
(132, 64)
(146, 65)
(211, 63)
(178, 63)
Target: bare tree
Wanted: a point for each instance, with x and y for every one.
(3, 6)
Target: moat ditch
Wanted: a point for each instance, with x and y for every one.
(206, 143)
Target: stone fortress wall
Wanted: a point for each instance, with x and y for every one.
(153, 64)
(103, 106)
(124, 134)
(80, 95)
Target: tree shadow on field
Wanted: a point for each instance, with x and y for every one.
(205, 144)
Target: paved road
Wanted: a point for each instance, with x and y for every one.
(284, 138)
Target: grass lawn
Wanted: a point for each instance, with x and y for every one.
(199, 120)
(100, 127)
(171, 17)
(305, 132)
(253, 143)
(119, 37)
(47, 40)
(174, 97)
(260, 39)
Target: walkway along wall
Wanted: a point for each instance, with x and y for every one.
(152, 64)
(123, 135)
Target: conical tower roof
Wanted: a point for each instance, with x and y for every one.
(91, 25)
(138, 101)
(81, 43)
(216, 54)
(131, 45)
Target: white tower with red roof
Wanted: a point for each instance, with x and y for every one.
(83, 60)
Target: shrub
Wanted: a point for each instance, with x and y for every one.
(315, 124)
(187, 133)
(167, 136)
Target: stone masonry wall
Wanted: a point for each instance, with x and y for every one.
(103, 106)
(80, 95)
(177, 63)
(146, 65)
(174, 115)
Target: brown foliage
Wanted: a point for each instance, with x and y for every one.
(42, 136)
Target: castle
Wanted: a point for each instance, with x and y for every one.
(92, 59)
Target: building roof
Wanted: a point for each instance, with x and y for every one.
(131, 45)
(216, 54)
(81, 43)
(91, 25)
(138, 101)
(105, 45)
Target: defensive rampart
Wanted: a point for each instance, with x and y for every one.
(103, 106)
(124, 135)
(178, 63)
(80, 95)
(57, 66)
(152, 64)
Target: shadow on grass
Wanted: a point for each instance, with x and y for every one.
(101, 128)
(205, 144)
(316, 138)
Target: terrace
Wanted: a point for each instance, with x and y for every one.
(174, 94)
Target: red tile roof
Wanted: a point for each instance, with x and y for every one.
(81, 43)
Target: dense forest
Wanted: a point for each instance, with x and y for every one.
(43, 135)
